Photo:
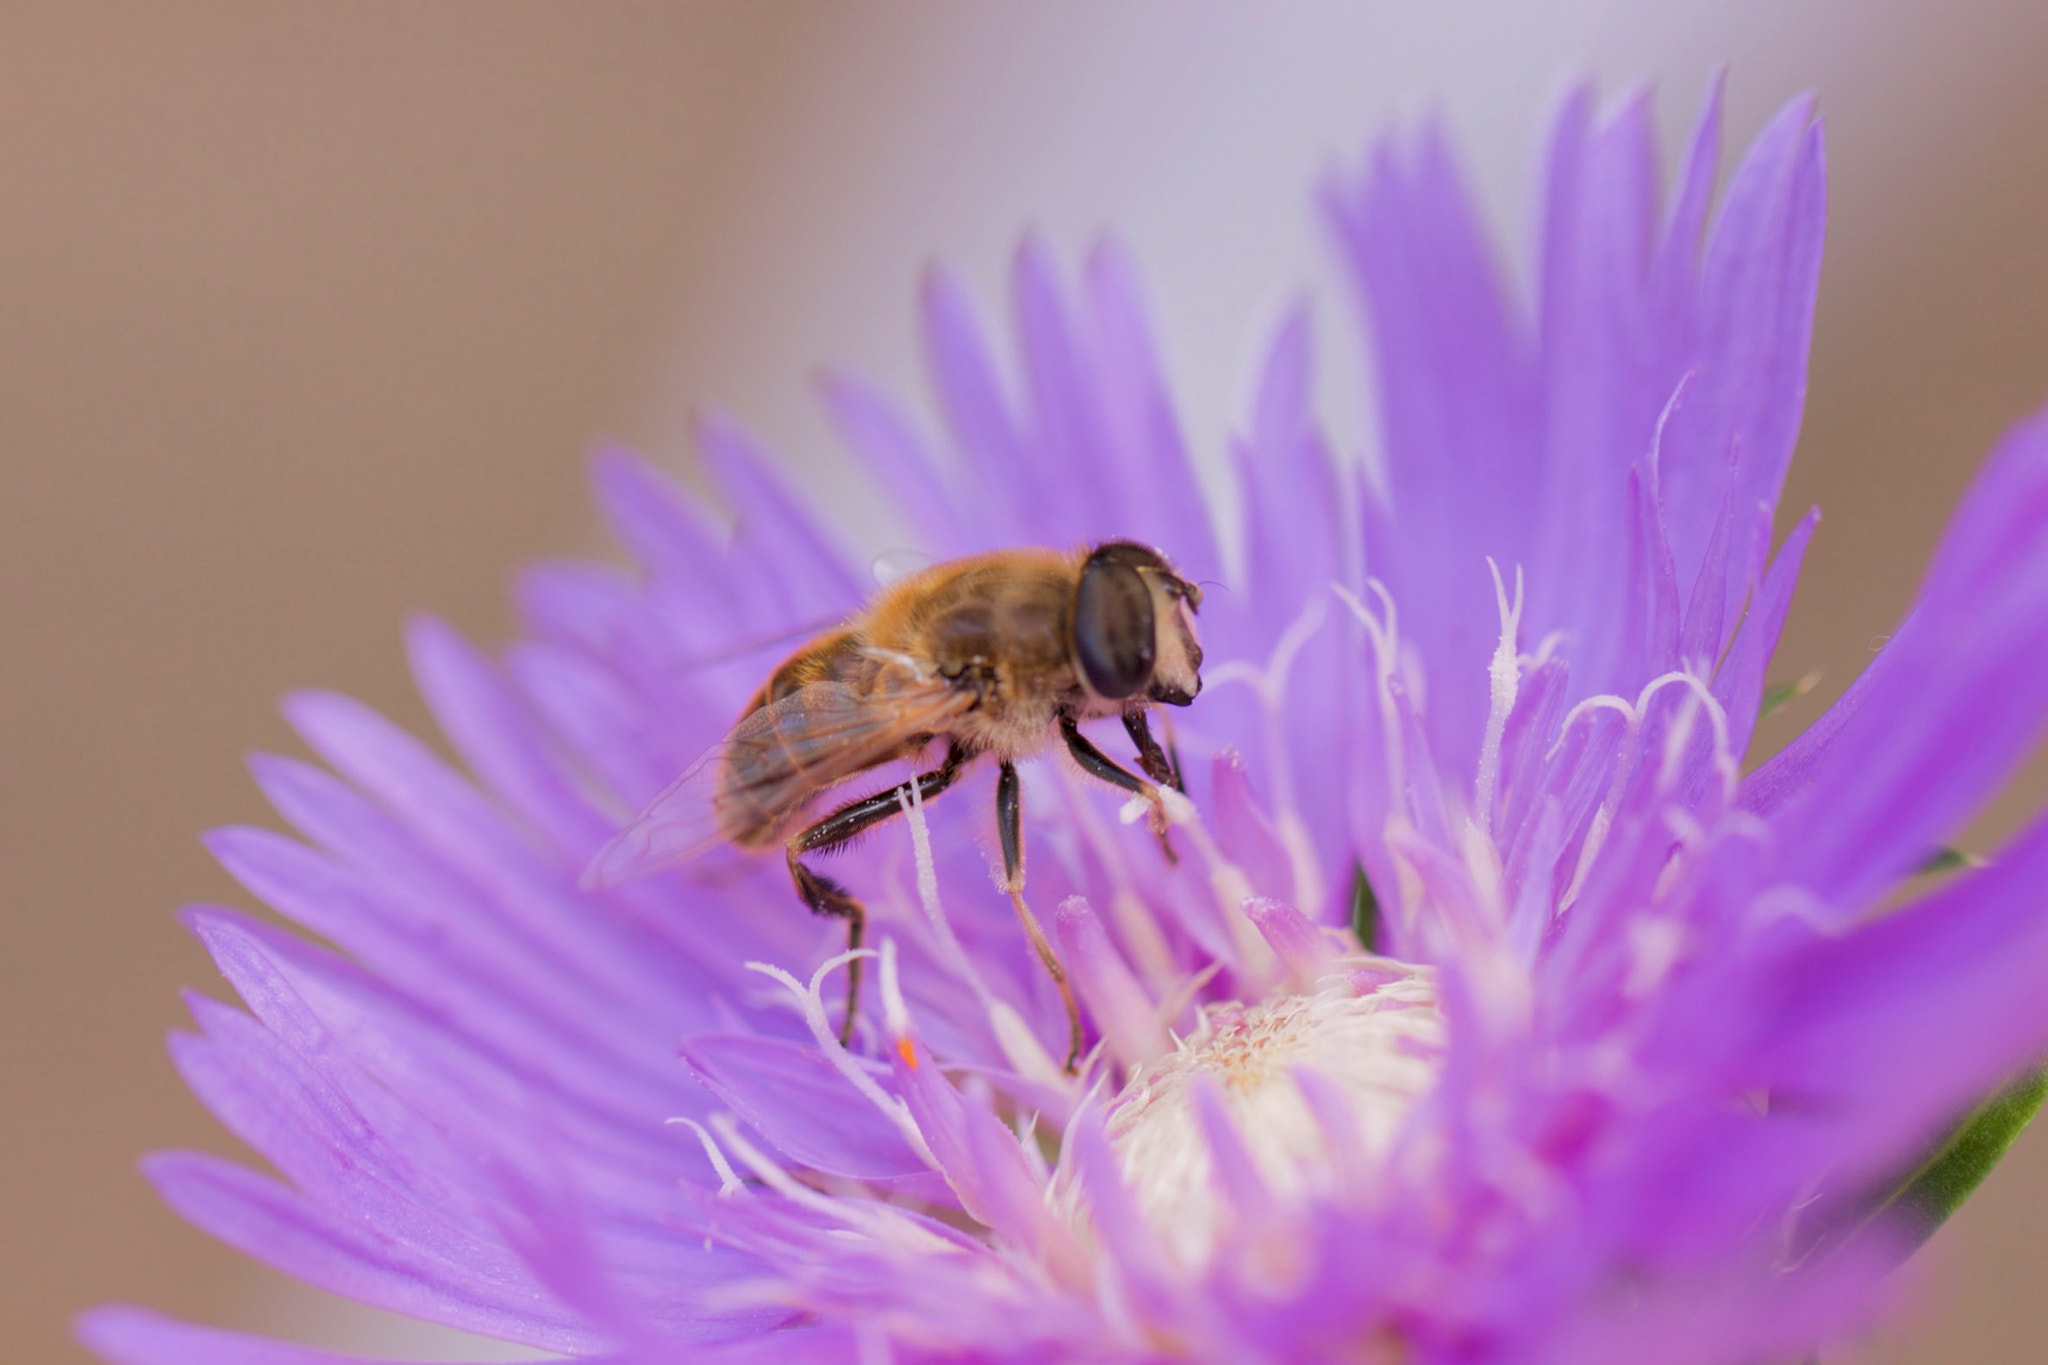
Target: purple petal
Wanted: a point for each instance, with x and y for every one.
(1957, 704)
(1706, 611)
(600, 721)
(1163, 503)
(980, 418)
(456, 1282)
(910, 477)
(1236, 1175)
(1128, 1018)
(786, 544)
(465, 1057)
(497, 737)
(1299, 944)
(1739, 684)
(1243, 831)
(978, 1155)
(1673, 271)
(1912, 1018)
(1458, 400)
(661, 524)
(1757, 290)
(800, 1104)
(592, 608)
(135, 1336)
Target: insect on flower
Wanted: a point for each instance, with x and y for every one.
(1499, 1106)
(991, 654)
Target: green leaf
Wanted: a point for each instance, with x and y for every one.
(1365, 911)
(1780, 695)
(1959, 1166)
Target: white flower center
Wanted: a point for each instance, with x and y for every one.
(1374, 1036)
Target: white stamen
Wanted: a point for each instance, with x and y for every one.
(830, 1048)
(729, 1182)
(1632, 714)
(1504, 677)
(895, 1014)
(861, 1217)
(1270, 685)
(885, 1224)
(1676, 741)
(911, 799)
(1385, 639)
(1403, 900)
(1604, 701)
(1664, 417)
(1546, 649)
(1379, 1051)
(910, 796)
(770, 1172)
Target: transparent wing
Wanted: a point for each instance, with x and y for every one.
(752, 784)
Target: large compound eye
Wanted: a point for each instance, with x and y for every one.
(1114, 636)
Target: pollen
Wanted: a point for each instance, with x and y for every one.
(1316, 1088)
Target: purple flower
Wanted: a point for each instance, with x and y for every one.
(1634, 1025)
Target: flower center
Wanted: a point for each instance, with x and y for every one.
(1371, 1039)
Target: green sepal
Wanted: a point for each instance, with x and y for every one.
(1947, 860)
(1365, 911)
(1912, 1207)
(1780, 695)
(1955, 1170)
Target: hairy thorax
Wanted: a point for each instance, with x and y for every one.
(999, 626)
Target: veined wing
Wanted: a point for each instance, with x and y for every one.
(755, 781)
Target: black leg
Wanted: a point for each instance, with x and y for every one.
(1173, 759)
(1153, 759)
(1010, 825)
(1010, 831)
(1098, 764)
(827, 897)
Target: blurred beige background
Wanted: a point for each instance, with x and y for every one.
(308, 312)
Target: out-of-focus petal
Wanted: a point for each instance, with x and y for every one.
(135, 1336)
(1957, 703)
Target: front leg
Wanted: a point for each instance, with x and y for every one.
(1158, 766)
(1100, 765)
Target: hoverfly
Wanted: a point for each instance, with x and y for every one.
(999, 653)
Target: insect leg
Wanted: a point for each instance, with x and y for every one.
(826, 896)
(1153, 759)
(1098, 764)
(1010, 829)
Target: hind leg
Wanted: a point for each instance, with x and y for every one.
(826, 896)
